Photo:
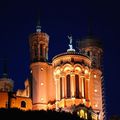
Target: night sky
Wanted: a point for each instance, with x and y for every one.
(59, 19)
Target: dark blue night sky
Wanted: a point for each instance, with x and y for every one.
(59, 18)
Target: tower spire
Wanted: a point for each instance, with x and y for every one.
(38, 27)
(5, 74)
(90, 27)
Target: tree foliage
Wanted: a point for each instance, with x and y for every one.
(37, 114)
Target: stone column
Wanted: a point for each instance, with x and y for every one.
(72, 81)
(82, 87)
(63, 86)
(57, 89)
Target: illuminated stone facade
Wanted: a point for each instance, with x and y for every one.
(72, 82)
(19, 99)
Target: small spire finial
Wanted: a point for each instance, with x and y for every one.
(38, 27)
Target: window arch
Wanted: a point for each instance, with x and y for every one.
(60, 88)
(23, 104)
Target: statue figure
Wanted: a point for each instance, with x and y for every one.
(70, 45)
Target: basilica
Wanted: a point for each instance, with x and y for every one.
(72, 82)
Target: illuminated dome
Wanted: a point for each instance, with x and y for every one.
(6, 84)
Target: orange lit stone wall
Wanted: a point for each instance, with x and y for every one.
(3, 99)
(16, 103)
(50, 84)
(96, 91)
(25, 92)
(43, 85)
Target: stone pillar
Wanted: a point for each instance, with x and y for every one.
(57, 89)
(86, 88)
(46, 54)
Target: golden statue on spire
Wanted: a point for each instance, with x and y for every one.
(70, 44)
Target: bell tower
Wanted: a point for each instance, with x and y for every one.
(40, 68)
(39, 45)
(92, 47)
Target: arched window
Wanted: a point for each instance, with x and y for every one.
(88, 53)
(84, 87)
(77, 86)
(68, 86)
(41, 49)
(60, 88)
(36, 50)
(23, 104)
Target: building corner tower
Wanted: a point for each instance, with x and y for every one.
(41, 70)
(92, 47)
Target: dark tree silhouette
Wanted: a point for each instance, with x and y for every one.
(37, 114)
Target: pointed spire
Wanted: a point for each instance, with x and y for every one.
(38, 27)
(5, 74)
(90, 27)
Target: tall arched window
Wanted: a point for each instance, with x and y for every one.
(84, 87)
(35, 50)
(23, 104)
(77, 86)
(88, 53)
(41, 50)
(60, 88)
(68, 86)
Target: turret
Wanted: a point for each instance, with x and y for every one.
(39, 45)
(6, 84)
(92, 47)
(41, 70)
